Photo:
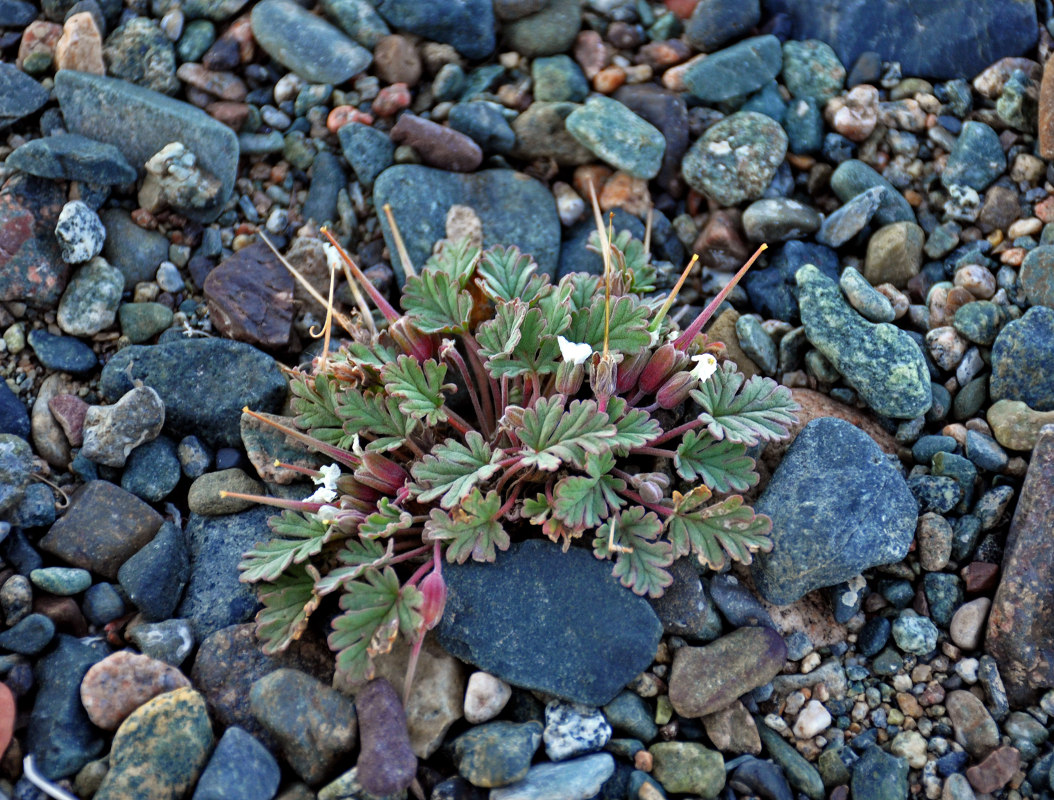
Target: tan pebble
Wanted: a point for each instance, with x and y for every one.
(622, 190)
(1013, 257)
(967, 626)
(485, 697)
(120, 683)
(896, 298)
(595, 174)
(609, 79)
(1027, 168)
(80, 46)
(977, 280)
(673, 78)
(639, 73)
(396, 60)
(957, 431)
(591, 53)
(643, 761)
(1024, 227)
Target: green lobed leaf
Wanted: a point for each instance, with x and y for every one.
(376, 415)
(472, 530)
(456, 259)
(504, 273)
(553, 435)
(452, 469)
(435, 304)
(498, 336)
(760, 410)
(641, 562)
(581, 290)
(316, 404)
(629, 255)
(357, 556)
(715, 533)
(372, 357)
(516, 343)
(582, 501)
(627, 328)
(287, 605)
(376, 609)
(297, 537)
(633, 428)
(722, 465)
(386, 521)
(418, 387)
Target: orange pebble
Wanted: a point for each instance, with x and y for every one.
(342, 115)
(609, 79)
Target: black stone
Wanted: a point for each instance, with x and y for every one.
(155, 576)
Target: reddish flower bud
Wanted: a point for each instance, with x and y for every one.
(662, 362)
(629, 371)
(433, 587)
(569, 378)
(675, 391)
(412, 341)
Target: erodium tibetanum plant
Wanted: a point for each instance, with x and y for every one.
(499, 406)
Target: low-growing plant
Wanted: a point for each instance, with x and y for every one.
(501, 405)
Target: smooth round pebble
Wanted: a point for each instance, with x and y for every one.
(485, 697)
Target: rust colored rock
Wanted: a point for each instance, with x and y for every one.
(980, 576)
(1046, 111)
(995, 771)
(224, 85)
(395, 60)
(64, 612)
(386, 763)
(440, 147)
(7, 717)
(31, 266)
(1021, 624)
(250, 297)
(38, 37)
(705, 680)
(69, 411)
(720, 244)
(120, 683)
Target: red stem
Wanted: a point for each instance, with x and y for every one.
(673, 432)
(696, 327)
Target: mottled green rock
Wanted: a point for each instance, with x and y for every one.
(734, 71)
(618, 136)
(801, 775)
(880, 776)
(812, 69)
(688, 767)
(552, 30)
(880, 361)
(1023, 360)
(1037, 276)
(979, 321)
(141, 322)
(497, 753)
(558, 78)
(977, 158)
(62, 581)
(160, 749)
(735, 159)
(16, 462)
(308, 45)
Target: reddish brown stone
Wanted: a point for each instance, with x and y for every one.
(38, 37)
(395, 60)
(69, 410)
(250, 297)
(1021, 624)
(63, 611)
(995, 771)
(980, 576)
(31, 266)
(1046, 111)
(120, 683)
(233, 115)
(438, 146)
(720, 244)
(224, 85)
(386, 763)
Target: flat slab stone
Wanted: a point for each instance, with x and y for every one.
(308, 45)
(467, 25)
(250, 297)
(20, 95)
(543, 619)
(1021, 623)
(139, 122)
(514, 209)
(71, 157)
(838, 507)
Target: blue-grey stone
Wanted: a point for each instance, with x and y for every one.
(16, 464)
(769, 101)
(359, 19)
(534, 595)
(16, 13)
(862, 296)
(37, 508)
(803, 122)
(761, 779)
(738, 70)
(60, 737)
(496, 753)
(935, 492)
(549, 31)
(853, 177)
(613, 133)
(240, 768)
(214, 596)
(368, 150)
(20, 95)
(558, 78)
(198, 36)
(977, 158)
(141, 322)
(61, 581)
(70, 157)
(685, 609)
(327, 179)
(577, 778)
(1023, 360)
(930, 38)
(152, 470)
(801, 775)
(985, 452)
(737, 603)
(308, 45)
(14, 418)
(139, 122)
(880, 361)
(135, 251)
(666, 111)
(812, 69)
(714, 22)
(102, 603)
(880, 776)
(927, 446)
(736, 158)
(630, 714)
(484, 123)
(514, 209)
(155, 576)
(62, 353)
(468, 25)
(838, 507)
(944, 595)
(29, 636)
(851, 218)
(773, 291)
(873, 636)
(757, 344)
(779, 219)
(204, 384)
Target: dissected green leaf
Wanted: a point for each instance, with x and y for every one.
(287, 605)
(723, 466)
(455, 259)
(376, 609)
(640, 557)
(297, 537)
(386, 521)
(419, 387)
(372, 357)
(581, 290)
(553, 435)
(473, 529)
(515, 342)
(378, 416)
(315, 402)
(627, 328)
(630, 257)
(504, 273)
(716, 532)
(498, 337)
(452, 469)
(435, 304)
(356, 556)
(582, 501)
(633, 428)
(761, 410)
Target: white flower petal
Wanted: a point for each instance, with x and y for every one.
(573, 351)
(333, 259)
(327, 514)
(329, 477)
(706, 365)
(321, 495)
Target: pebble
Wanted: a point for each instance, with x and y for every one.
(801, 775)
(811, 69)
(757, 344)
(853, 177)
(119, 684)
(485, 697)
(880, 776)
(112, 432)
(578, 779)
(974, 727)
(613, 133)
(61, 581)
(170, 641)
(967, 626)
(995, 771)
(894, 254)
(240, 768)
(141, 322)
(573, 730)
(497, 753)
(813, 720)
(155, 576)
(62, 353)
(1021, 360)
(21, 95)
(386, 764)
(851, 218)
(67, 156)
(29, 635)
(250, 297)
(977, 158)
(871, 304)
(89, 303)
(779, 219)
(934, 541)
(1015, 425)
(437, 145)
(135, 251)
(484, 123)
(314, 725)
(688, 767)
(368, 150)
(550, 31)
(14, 419)
(160, 749)
(738, 70)
(306, 44)
(915, 635)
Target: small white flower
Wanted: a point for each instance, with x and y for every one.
(321, 495)
(573, 351)
(329, 477)
(333, 259)
(327, 514)
(705, 366)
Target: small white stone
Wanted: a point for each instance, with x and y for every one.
(967, 670)
(813, 719)
(168, 277)
(902, 682)
(810, 662)
(572, 730)
(967, 625)
(288, 87)
(569, 206)
(485, 697)
(911, 746)
(80, 232)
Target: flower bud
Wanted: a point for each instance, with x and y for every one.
(649, 492)
(603, 378)
(569, 378)
(412, 341)
(433, 588)
(675, 391)
(662, 362)
(383, 471)
(629, 371)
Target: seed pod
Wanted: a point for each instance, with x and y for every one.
(675, 391)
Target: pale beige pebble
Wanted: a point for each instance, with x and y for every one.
(957, 787)
(673, 78)
(967, 625)
(288, 87)
(624, 191)
(977, 280)
(810, 662)
(978, 425)
(49, 440)
(990, 81)
(645, 761)
(485, 697)
(1016, 467)
(896, 298)
(905, 115)
(733, 730)
(639, 73)
(933, 537)
(120, 683)
(569, 205)
(813, 719)
(1015, 425)
(901, 682)
(946, 346)
(911, 746)
(80, 46)
(1029, 226)
(957, 431)
(1027, 168)
(856, 115)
